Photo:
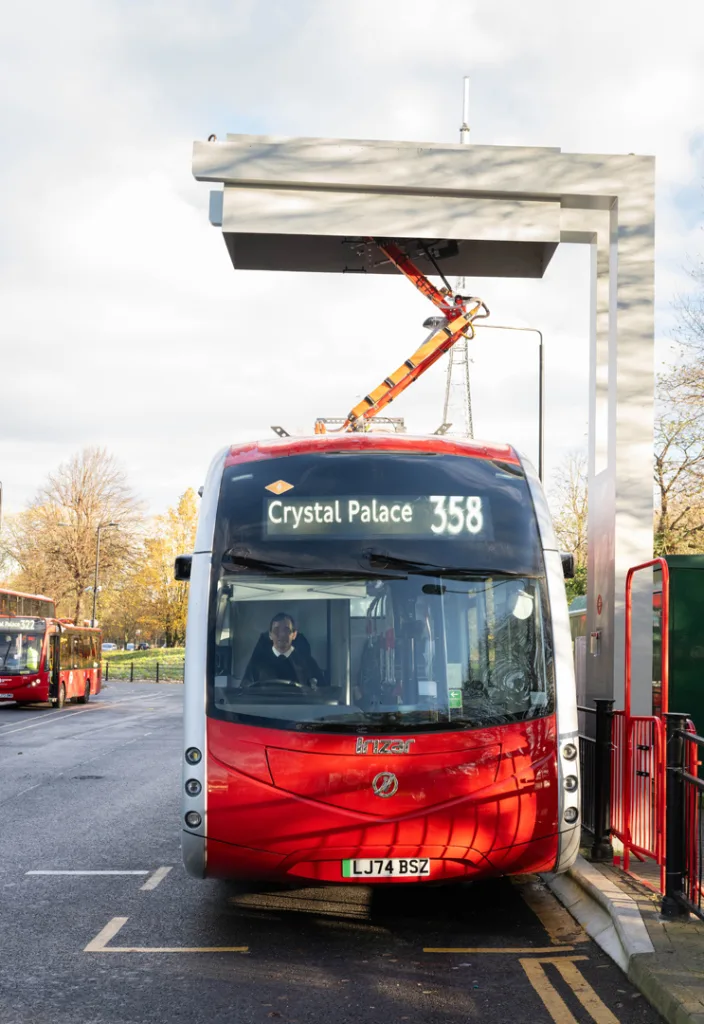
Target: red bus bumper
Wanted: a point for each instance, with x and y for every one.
(24, 689)
(447, 863)
(474, 804)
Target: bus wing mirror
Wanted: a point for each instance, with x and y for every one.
(182, 568)
(567, 565)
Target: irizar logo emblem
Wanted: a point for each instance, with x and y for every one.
(279, 487)
(385, 784)
(383, 746)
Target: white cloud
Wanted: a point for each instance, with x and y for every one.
(124, 323)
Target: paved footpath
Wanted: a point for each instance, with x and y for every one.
(126, 937)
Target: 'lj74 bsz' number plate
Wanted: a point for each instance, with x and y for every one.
(385, 868)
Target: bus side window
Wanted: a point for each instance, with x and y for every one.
(64, 652)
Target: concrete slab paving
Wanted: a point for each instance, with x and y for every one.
(663, 958)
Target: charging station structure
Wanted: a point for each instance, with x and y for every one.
(309, 205)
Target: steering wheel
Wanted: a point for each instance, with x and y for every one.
(275, 684)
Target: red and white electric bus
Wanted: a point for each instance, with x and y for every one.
(45, 659)
(422, 723)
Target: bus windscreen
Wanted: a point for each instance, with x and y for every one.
(384, 592)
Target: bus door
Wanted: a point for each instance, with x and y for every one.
(53, 667)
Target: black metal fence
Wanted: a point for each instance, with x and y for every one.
(144, 669)
(595, 761)
(683, 871)
(587, 760)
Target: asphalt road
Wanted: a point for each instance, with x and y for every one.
(96, 788)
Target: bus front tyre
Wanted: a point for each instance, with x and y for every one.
(86, 694)
(61, 699)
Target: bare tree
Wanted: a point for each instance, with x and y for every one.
(690, 310)
(568, 502)
(679, 465)
(54, 540)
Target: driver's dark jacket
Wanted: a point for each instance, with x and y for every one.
(298, 667)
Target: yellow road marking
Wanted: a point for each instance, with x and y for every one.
(553, 1001)
(499, 949)
(557, 922)
(584, 992)
(100, 944)
(153, 880)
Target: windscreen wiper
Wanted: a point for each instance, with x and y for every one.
(245, 562)
(384, 561)
(282, 569)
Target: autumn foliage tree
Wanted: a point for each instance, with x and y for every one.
(146, 600)
(175, 535)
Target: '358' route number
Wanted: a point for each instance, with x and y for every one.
(455, 514)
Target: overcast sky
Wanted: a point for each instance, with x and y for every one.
(123, 322)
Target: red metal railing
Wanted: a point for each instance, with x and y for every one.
(638, 771)
(664, 631)
(693, 863)
(618, 776)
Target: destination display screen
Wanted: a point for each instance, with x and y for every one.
(465, 516)
(22, 625)
(322, 512)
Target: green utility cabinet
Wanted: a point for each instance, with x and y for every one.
(686, 630)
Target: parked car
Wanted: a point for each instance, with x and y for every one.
(109, 647)
(129, 647)
(143, 646)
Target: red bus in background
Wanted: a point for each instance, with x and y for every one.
(46, 659)
(425, 726)
(13, 602)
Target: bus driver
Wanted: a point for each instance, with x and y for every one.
(281, 659)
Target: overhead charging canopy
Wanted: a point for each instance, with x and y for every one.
(317, 224)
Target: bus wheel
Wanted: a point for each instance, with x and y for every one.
(86, 694)
(61, 699)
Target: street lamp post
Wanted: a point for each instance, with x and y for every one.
(438, 321)
(101, 526)
(541, 385)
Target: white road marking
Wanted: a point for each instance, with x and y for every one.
(62, 872)
(46, 719)
(100, 944)
(158, 876)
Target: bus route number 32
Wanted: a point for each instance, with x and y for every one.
(455, 514)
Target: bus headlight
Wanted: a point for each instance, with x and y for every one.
(193, 755)
(569, 751)
(193, 819)
(193, 787)
(571, 814)
(571, 783)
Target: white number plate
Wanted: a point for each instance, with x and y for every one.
(412, 867)
(7, 696)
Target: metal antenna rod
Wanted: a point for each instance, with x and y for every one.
(464, 130)
(457, 384)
